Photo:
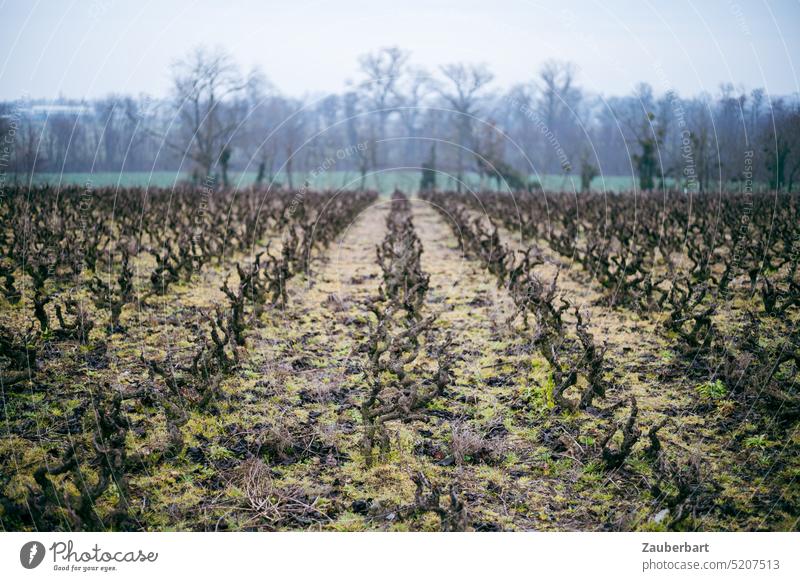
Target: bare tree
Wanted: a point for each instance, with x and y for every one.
(643, 131)
(357, 128)
(782, 146)
(217, 118)
(26, 145)
(203, 82)
(411, 96)
(292, 133)
(462, 92)
(559, 98)
(265, 109)
(383, 70)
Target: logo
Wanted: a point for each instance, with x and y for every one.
(31, 554)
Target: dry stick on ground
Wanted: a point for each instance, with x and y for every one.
(398, 388)
(689, 490)
(54, 500)
(532, 297)
(114, 299)
(390, 352)
(11, 293)
(165, 272)
(614, 458)
(655, 447)
(586, 361)
(79, 328)
(277, 503)
(18, 355)
(453, 518)
(236, 310)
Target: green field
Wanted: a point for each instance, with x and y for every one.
(384, 181)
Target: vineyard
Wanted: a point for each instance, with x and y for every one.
(189, 359)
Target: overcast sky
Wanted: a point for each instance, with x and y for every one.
(89, 48)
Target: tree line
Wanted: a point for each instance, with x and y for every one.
(218, 120)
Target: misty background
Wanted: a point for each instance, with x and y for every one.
(516, 94)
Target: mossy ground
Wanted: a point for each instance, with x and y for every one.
(282, 449)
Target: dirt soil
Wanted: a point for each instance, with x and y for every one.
(281, 448)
